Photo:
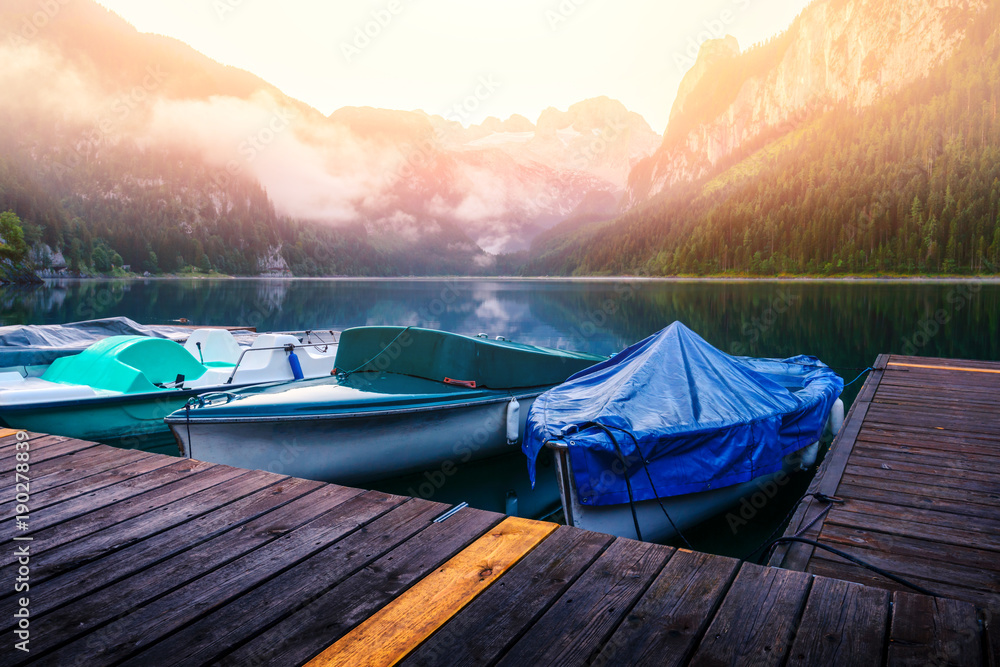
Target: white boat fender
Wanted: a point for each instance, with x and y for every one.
(807, 456)
(836, 419)
(513, 421)
(510, 506)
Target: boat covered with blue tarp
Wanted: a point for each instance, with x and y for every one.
(680, 417)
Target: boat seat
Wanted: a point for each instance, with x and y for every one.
(218, 347)
(436, 355)
(269, 365)
(126, 364)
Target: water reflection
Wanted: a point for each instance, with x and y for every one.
(845, 324)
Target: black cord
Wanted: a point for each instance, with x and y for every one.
(628, 484)
(187, 414)
(652, 485)
(856, 561)
(823, 498)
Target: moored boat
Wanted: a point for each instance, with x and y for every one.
(403, 400)
(120, 388)
(671, 431)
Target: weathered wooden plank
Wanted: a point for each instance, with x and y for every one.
(78, 465)
(932, 570)
(900, 495)
(302, 635)
(935, 399)
(391, 633)
(58, 447)
(933, 631)
(821, 566)
(960, 428)
(984, 500)
(245, 617)
(74, 518)
(60, 587)
(757, 620)
(948, 462)
(975, 383)
(919, 465)
(671, 617)
(942, 420)
(909, 385)
(929, 437)
(928, 481)
(510, 607)
(796, 556)
(95, 545)
(943, 361)
(342, 511)
(924, 525)
(71, 627)
(578, 624)
(843, 624)
(36, 442)
(49, 490)
(903, 546)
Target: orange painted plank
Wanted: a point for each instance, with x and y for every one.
(946, 368)
(394, 631)
(5, 432)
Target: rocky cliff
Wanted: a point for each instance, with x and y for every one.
(837, 52)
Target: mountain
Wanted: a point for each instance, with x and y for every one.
(865, 139)
(140, 146)
(836, 53)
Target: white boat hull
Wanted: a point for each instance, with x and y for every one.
(355, 449)
(685, 511)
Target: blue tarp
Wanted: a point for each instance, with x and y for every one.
(700, 418)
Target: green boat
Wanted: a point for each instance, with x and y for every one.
(403, 400)
(119, 389)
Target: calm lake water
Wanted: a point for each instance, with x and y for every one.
(846, 324)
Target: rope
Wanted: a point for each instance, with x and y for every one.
(859, 377)
(380, 353)
(652, 486)
(767, 540)
(628, 483)
(857, 561)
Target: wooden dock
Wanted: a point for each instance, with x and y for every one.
(145, 559)
(917, 466)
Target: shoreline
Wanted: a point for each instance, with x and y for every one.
(574, 279)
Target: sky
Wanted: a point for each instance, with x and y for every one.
(485, 57)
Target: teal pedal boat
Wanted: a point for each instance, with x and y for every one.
(403, 400)
(119, 389)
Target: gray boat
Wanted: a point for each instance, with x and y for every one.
(401, 400)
